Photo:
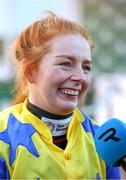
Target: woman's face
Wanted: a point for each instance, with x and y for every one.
(63, 76)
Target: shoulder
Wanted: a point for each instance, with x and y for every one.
(12, 108)
(91, 126)
(6, 113)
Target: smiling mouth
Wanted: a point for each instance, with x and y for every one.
(71, 92)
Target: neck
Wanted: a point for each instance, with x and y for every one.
(58, 124)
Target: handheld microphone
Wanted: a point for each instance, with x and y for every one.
(110, 141)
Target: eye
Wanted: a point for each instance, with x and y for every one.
(86, 68)
(66, 64)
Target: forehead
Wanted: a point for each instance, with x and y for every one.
(71, 44)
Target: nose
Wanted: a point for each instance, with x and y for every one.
(78, 75)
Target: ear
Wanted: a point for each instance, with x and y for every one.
(28, 72)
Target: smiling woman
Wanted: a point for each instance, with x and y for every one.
(45, 130)
(63, 69)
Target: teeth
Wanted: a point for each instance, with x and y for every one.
(70, 92)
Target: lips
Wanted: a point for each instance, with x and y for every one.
(72, 92)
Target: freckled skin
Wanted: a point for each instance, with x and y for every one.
(66, 66)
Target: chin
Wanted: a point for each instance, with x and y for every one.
(67, 109)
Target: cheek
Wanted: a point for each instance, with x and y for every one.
(88, 80)
(57, 77)
(86, 85)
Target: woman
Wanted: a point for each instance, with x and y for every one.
(45, 135)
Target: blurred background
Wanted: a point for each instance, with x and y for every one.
(106, 22)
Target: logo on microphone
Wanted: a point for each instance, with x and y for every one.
(111, 135)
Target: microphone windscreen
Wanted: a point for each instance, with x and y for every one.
(110, 141)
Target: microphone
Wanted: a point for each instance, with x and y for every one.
(110, 141)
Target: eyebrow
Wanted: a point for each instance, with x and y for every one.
(73, 58)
